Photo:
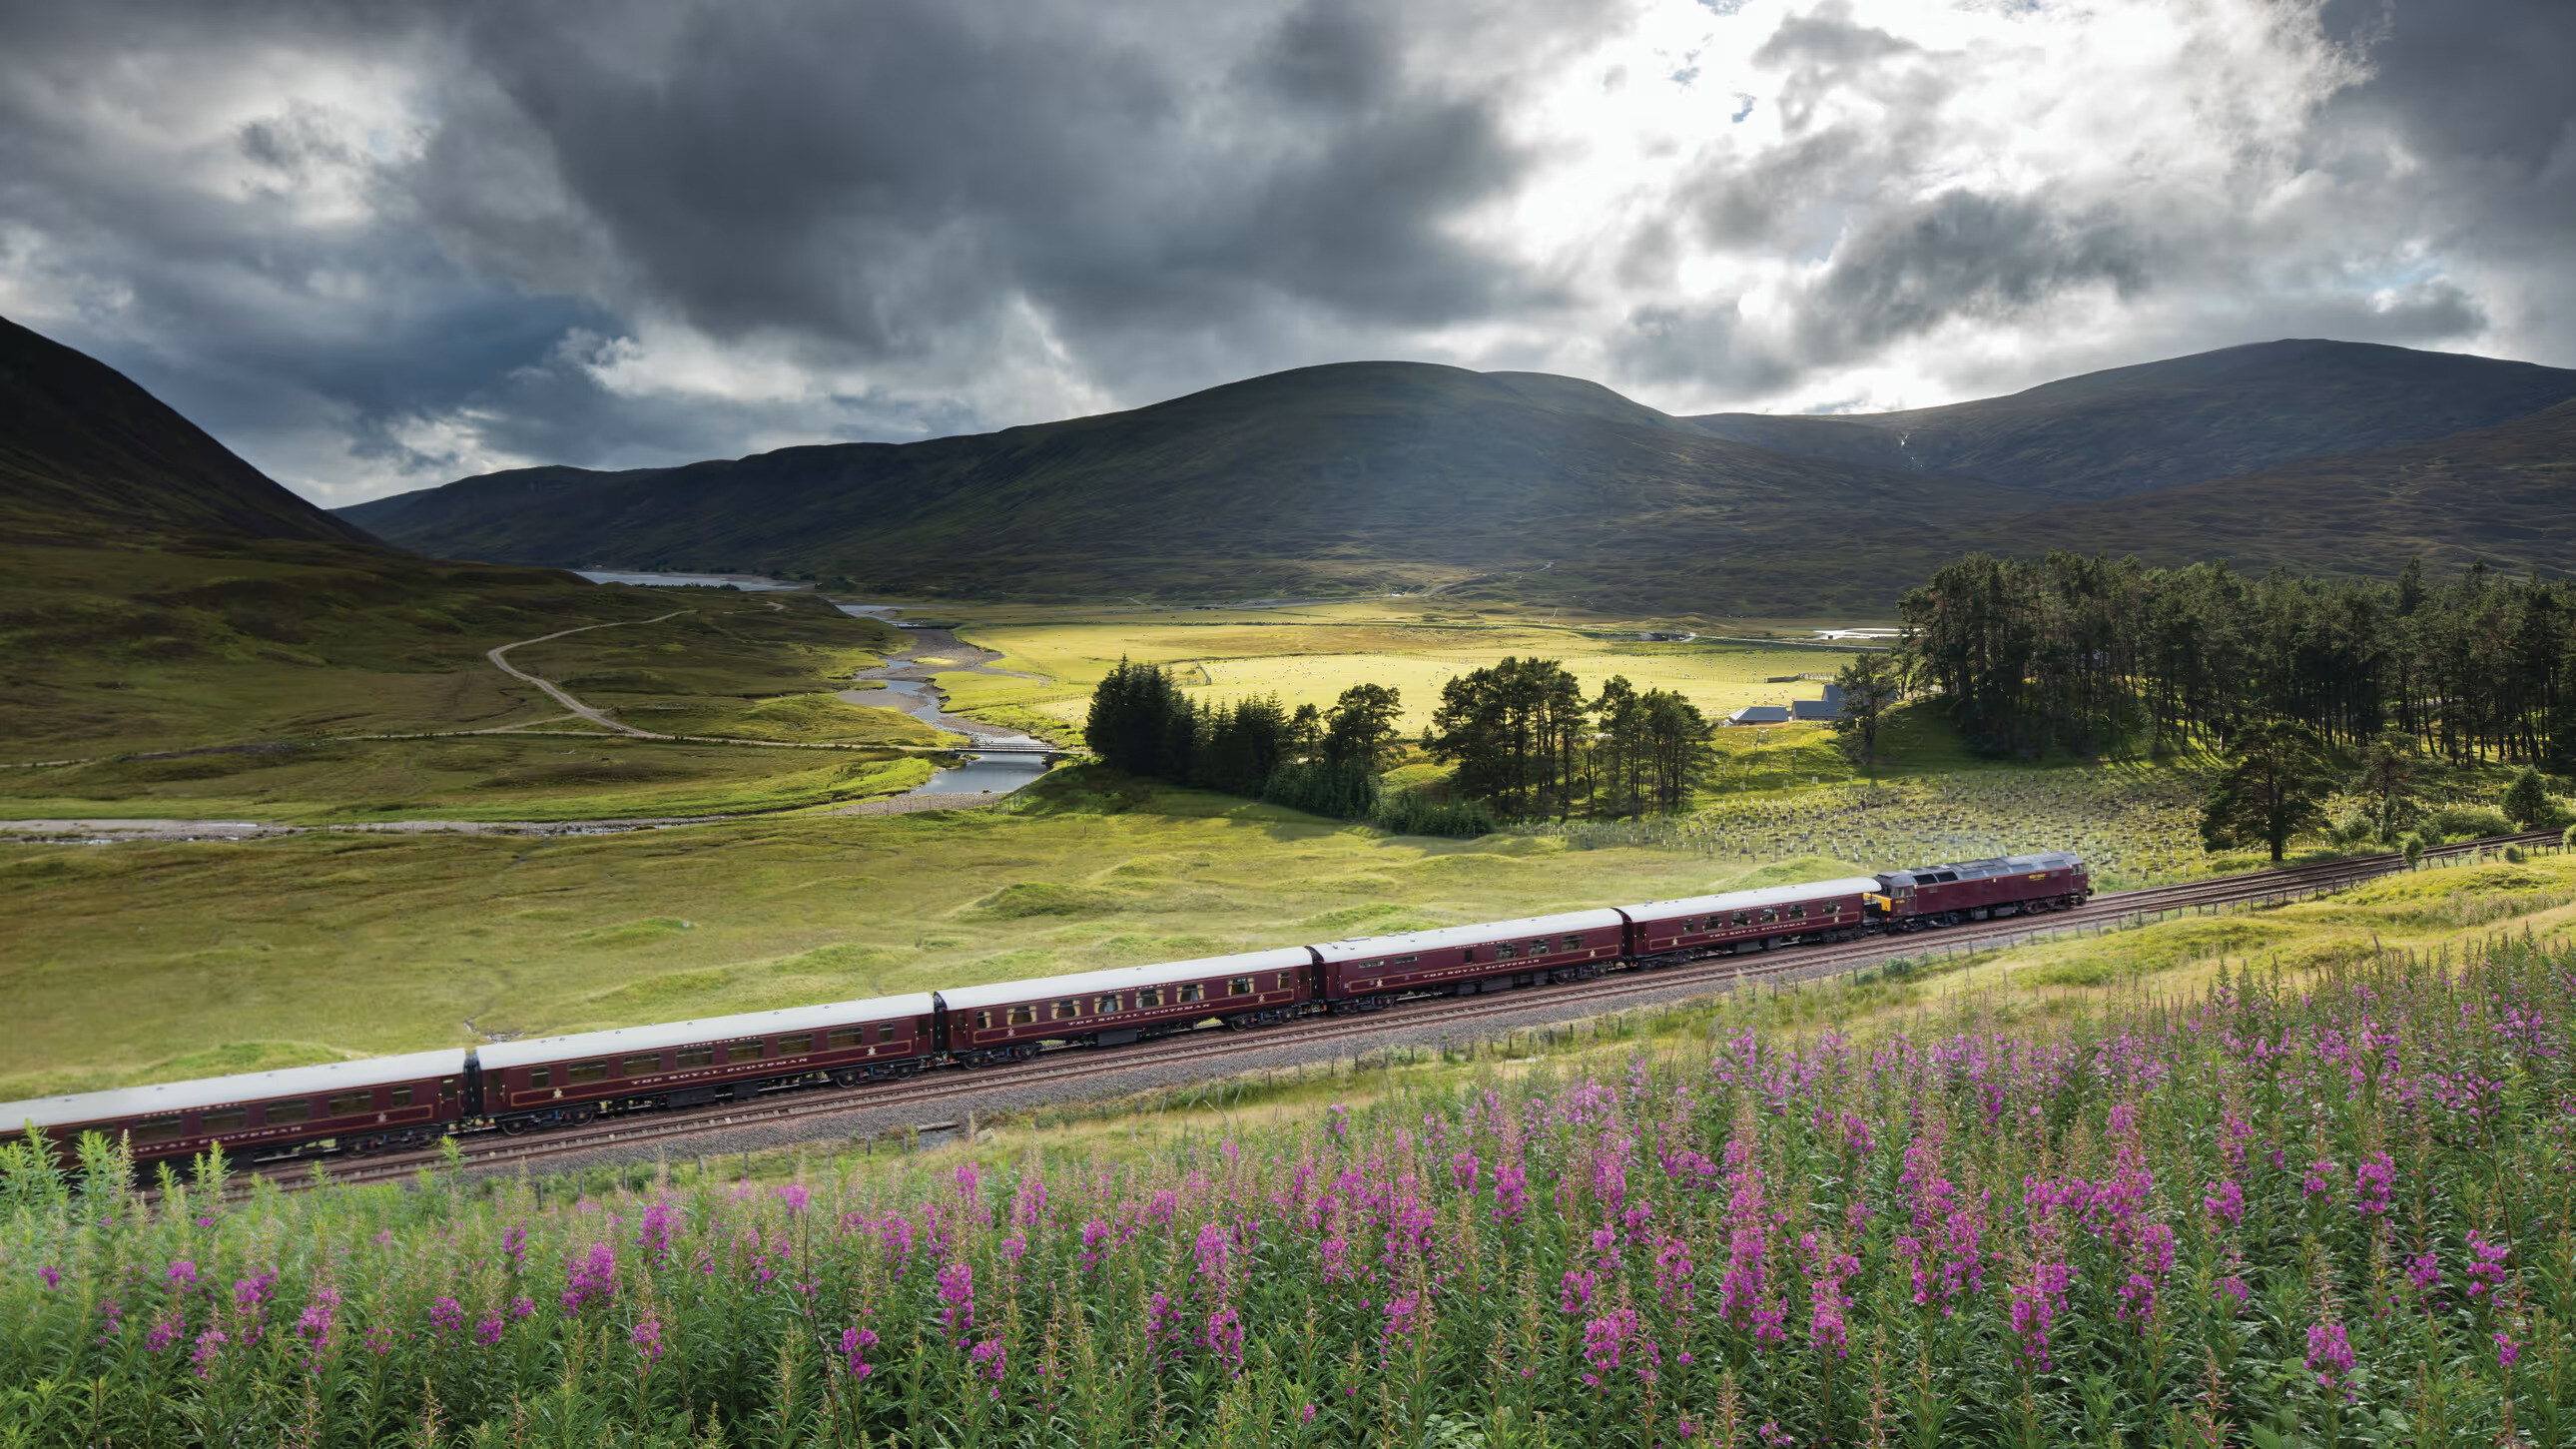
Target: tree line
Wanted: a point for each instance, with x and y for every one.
(2089, 655)
(1523, 736)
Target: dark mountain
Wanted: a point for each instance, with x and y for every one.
(1369, 474)
(84, 451)
(2167, 424)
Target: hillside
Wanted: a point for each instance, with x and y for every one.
(83, 448)
(1552, 490)
(159, 593)
(2180, 421)
(1374, 475)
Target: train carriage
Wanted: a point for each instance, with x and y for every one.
(1977, 890)
(372, 1104)
(1007, 1020)
(562, 1080)
(1757, 920)
(1368, 973)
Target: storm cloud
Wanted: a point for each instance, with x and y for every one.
(375, 246)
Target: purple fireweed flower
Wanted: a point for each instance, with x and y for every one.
(795, 1195)
(1336, 1255)
(654, 1230)
(1511, 1192)
(1575, 1294)
(992, 1360)
(855, 1343)
(2329, 1354)
(2226, 1202)
(957, 1293)
(1826, 1301)
(1462, 1171)
(2372, 1182)
(970, 1182)
(647, 1338)
(2035, 1309)
(318, 1325)
(53, 1278)
(1016, 1246)
(1403, 1319)
(446, 1313)
(2320, 1181)
(1212, 1249)
(521, 1307)
(514, 1243)
(2508, 1352)
(488, 1329)
(1223, 1336)
(210, 1346)
(1028, 1209)
(1618, 1338)
(2486, 1265)
(250, 1293)
(2424, 1271)
(164, 1332)
(592, 1278)
(1673, 1269)
(182, 1272)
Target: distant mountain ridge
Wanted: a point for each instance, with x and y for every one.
(2180, 421)
(83, 445)
(1408, 475)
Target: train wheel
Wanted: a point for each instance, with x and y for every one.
(512, 1126)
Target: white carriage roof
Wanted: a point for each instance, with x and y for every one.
(1751, 900)
(157, 1098)
(703, 1029)
(1123, 978)
(1365, 947)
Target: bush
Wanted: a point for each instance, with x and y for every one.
(2413, 845)
(2467, 822)
(2514, 854)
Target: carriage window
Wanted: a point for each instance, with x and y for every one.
(159, 1129)
(230, 1119)
(1107, 1004)
(1149, 996)
(1409, 960)
(1063, 1011)
(541, 1076)
(643, 1064)
(886, 1031)
(746, 1051)
(1505, 951)
(1281, 982)
(1192, 991)
(1797, 913)
(1539, 947)
(1574, 943)
(1239, 986)
(1024, 1014)
(983, 1020)
(1743, 918)
(399, 1096)
(278, 1114)
(797, 1045)
(704, 1056)
(580, 1072)
(848, 1038)
(344, 1103)
(1770, 913)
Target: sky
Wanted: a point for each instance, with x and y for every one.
(375, 247)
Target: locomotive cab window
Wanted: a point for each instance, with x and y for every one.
(583, 1072)
(1239, 986)
(346, 1103)
(278, 1114)
(228, 1120)
(643, 1064)
(159, 1129)
(703, 1056)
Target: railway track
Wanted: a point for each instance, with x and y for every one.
(1211, 1045)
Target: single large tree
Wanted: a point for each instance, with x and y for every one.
(1360, 727)
(2390, 768)
(2275, 786)
(1871, 687)
(2526, 801)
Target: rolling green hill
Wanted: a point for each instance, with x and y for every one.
(2166, 424)
(158, 593)
(1552, 490)
(1370, 475)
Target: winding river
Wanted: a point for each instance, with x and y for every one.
(902, 684)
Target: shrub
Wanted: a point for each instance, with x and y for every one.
(2467, 822)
